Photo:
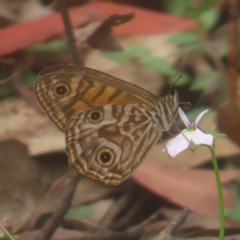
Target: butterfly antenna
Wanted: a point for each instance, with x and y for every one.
(180, 66)
(174, 82)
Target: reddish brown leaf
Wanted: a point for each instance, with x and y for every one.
(228, 120)
(193, 188)
(23, 35)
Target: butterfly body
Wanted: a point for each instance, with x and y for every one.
(109, 124)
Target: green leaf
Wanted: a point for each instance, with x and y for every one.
(56, 46)
(209, 18)
(233, 213)
(29, 78)
(83, 211)
(223, 49)
(122, 57)
(144, 56)
(184, 38)
(175, 7)
(203, 80)
(127, 56)
(195, 47)
(139, 51)
(160, 65)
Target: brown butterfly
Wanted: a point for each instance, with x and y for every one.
(109, 124)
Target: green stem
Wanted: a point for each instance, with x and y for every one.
(220, 194)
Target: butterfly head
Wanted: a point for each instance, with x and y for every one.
(168, 110)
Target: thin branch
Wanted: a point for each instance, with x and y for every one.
(178, 220)
(117, 207)
(154, 217)
(51, 225)
(68, 28)
(79, 223)
(31, 222)
(113, 236)
(22, 90)
(232, 58)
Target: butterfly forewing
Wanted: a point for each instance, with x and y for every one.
(64, 90)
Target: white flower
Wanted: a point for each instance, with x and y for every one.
(191, 133)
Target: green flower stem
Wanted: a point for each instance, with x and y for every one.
(220, 194)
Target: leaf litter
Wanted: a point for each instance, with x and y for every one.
(33, 185)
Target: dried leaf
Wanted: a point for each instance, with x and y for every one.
(26, 34)
(39, 134)
(101, 37)
(192, 188)
(20, 188)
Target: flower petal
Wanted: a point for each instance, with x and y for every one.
(184, 118)
(199, 117)
(177, 145)
(199, 137)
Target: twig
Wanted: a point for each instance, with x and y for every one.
(32, 221)
(68, 28)
(166, 233)
(8, 79)
(80, 223)
(117, 207)
(174, 224)
(113, 236)
(136, 207)
(22, 90)
(51, 225)
(152, 218)
(232, 58)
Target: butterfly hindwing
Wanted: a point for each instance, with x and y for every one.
(107, 143)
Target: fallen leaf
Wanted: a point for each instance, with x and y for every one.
(25, 124)
(192, 188)
(20, 188)
(25, 34)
